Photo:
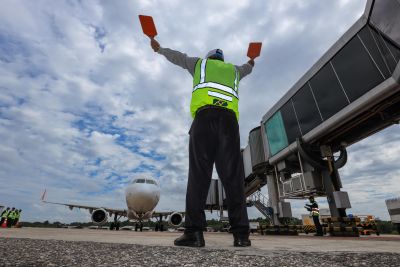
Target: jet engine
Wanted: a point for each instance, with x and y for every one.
(99, 216)
(175, 219)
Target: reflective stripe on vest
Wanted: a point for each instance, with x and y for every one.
(203, 71)
(217, 86)
(236, 81)
(222, 96)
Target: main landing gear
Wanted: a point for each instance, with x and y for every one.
(115, 223)
(159, 225)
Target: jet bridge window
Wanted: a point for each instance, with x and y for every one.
(385, 17)
(388, 50)
(276, 133)
(290, 122)
(328, 92)
(369, 37)
(306, 109)
(361, 73)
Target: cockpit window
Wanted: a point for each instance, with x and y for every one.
(144, 181)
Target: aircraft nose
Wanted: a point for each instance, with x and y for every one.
(142, 201)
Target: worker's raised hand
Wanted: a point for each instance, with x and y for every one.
(251, 62)
(154, 44)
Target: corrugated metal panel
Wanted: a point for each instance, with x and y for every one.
(256, 147)
(212, 197)
(248, 170)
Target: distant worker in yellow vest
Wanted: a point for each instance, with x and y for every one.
(17, 216)
(314, 212)
(214, 138)
(10, 217)
(4, 215)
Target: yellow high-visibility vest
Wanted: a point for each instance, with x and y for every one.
(215, 83)
(315, 212)
(5, 214)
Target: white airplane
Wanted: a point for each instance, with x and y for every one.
(142, 196)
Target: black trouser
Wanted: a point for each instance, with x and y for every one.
(2, 220)
(214, 138)
(9, 222)
(318, 225)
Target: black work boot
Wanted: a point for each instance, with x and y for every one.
(241, 241)
(191, 239)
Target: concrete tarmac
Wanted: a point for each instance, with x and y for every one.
(67, 247)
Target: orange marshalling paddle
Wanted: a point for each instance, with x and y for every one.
(254, 50)
(148, 26)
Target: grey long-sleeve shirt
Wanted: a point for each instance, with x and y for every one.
(189, 63)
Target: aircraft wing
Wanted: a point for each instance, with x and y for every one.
(119, 212)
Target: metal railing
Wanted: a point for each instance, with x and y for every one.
(262, 203)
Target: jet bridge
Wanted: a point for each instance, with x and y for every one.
(350, 93)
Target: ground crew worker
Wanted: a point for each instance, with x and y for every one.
(4, 215)
(17, 216)
(314, 212)
(214, 138)
(10, 217)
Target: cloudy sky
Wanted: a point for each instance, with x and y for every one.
(86, 105)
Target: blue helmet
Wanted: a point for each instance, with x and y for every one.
(215, 54)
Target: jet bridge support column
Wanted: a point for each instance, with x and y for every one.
(328, 179)
(331, 180)
(273, 195)
(328, 166)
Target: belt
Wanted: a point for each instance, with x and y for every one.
(209, 107)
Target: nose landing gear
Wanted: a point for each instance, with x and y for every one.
(139, 226)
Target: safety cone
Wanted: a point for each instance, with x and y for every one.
(4, 225)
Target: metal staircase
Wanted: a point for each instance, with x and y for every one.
(262, 203)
